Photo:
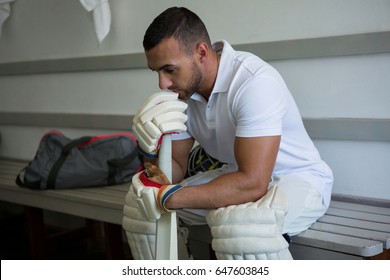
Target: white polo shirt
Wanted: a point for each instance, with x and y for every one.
(250, 99)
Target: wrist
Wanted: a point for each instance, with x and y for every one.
(168, 204)
(166, 196)
(146, 154)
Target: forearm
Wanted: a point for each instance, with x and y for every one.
(230, 189)
(178, 171)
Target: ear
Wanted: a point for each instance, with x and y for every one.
(202, 51)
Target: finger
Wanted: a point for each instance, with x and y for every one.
(172, 116)
(173, 105)
(148, 143)
(155, 174)
(173, 127)
(169, 117)
(155, 99)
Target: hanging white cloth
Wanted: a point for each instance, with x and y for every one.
(101, 16)
(5, 11)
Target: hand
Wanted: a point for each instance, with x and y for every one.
(162, 113)
(152, 189)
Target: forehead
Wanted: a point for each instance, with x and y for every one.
(167, 52)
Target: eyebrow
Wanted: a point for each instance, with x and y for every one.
(162, 67)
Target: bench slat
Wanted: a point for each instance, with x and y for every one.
(100, 208)
(360, 207)
(75, 195)
(16, 166)
(339, 243)
(355, 223)
(103, 196)
(11, 170)
(358, 215)
(354, 232)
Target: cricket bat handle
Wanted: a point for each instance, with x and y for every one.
(166, 240)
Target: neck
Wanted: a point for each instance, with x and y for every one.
(211, 75)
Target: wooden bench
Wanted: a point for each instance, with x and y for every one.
(103, 204)
(349, 230)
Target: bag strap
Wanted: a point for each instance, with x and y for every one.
(21, 183)
(116, 164)
(51, 179)
(18, 179)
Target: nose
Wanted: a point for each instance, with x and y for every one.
(164, 82)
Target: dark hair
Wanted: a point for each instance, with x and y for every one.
(180, 23)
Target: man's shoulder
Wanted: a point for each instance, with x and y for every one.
(246, 59)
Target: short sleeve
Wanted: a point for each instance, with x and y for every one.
(258, 107)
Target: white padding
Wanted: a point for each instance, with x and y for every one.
(146, 200)
(161, 113)
(141, 233)
(155, 99)
(252, 230)
(170, 117)
(162, 108)
(152, 129)
(141, 131)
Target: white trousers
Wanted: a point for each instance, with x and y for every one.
(305, 203)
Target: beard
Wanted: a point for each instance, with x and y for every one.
(193, 85)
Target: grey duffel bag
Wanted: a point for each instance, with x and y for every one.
(62, 163)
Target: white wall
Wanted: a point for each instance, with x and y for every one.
(346, 87)
(340, 87)
(68, 29)
(353, 86)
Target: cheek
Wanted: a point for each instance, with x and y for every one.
(185, 77)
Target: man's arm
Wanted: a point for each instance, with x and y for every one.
(255, 157)
(180, 153)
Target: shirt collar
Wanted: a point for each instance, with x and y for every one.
(225, 69)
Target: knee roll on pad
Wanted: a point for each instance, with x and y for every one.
(141, 233)
(252, 230)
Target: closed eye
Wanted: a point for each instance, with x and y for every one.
(169, 70)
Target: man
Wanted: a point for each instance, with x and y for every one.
(242, 113)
